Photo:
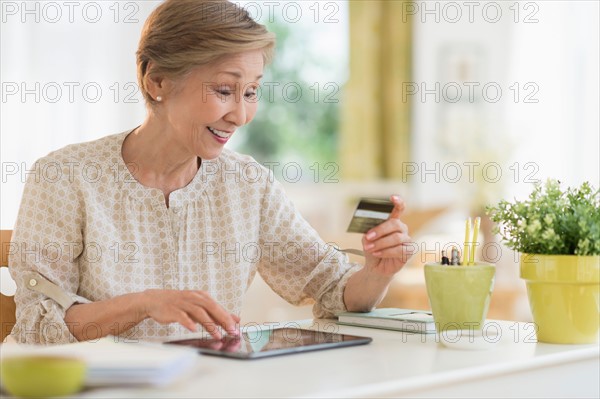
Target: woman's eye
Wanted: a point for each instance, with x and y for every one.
(226, 92)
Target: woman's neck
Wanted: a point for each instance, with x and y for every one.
(156, 159)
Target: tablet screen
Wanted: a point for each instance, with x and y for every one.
(278, 341)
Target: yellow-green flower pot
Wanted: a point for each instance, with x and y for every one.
(564, 295)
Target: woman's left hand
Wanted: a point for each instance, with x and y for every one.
(388, 246)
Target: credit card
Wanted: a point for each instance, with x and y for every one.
(369, 213)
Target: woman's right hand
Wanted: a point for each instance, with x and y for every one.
(188, 308)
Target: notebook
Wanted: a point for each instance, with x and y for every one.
(416, 321)
(118, 363)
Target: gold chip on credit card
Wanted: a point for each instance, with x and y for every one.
(369, 213)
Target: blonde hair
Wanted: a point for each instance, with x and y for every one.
(180, 35)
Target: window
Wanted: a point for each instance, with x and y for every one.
(296, 127)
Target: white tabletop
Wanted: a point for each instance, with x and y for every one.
(395, 364)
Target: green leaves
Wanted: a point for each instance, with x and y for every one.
(551, 221)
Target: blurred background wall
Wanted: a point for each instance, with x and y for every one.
(453, 105)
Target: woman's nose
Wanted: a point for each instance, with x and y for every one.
(237, 114)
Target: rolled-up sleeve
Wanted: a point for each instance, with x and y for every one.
(47, 241)
(296, 263)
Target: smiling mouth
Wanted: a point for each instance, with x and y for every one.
(219, 133)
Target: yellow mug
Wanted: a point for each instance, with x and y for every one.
(459, 295)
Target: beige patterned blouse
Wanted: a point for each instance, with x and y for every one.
(89, 227)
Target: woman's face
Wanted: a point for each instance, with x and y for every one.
(212, 102)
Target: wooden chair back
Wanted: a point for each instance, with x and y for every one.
(7, 303)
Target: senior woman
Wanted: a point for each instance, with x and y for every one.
(155, 232)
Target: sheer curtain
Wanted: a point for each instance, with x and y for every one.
(68, 75)
(561, 132)
(374, 130)
(543, 56)
(55, 57)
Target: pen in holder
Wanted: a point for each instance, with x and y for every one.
(459, 293)
(471, 244)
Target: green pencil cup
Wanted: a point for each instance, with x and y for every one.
(459, 295)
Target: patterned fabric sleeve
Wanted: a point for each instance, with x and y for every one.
(295, 262)
(47, 239)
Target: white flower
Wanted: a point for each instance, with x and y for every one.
(534, 227)
(549, 235)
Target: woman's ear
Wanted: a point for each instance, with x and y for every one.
(155, 83)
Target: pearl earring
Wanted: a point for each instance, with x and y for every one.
(159, 98)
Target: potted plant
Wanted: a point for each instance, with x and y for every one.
(557, 233)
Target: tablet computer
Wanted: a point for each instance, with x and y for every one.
(273, 342)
